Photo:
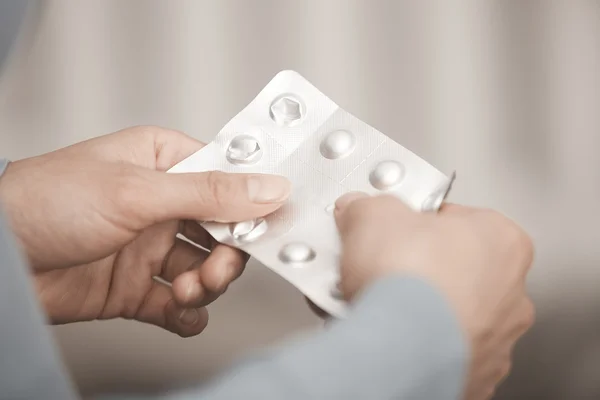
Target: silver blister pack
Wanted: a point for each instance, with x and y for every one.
(294, 130)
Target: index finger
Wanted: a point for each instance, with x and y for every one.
(361, 208)
(343, 203)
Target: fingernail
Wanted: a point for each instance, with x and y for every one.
(189, 316)
(193, 291)
(268, 188)
(345, 200)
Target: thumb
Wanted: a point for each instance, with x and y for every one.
(218, 196)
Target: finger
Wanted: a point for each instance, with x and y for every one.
(197, 234)
(522, 318)
(342, 204)
(181, 257)
(344, 201)
(161, 310)
(216, 196)
(353, 209)
(209, 280)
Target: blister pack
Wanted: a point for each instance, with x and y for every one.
(294, 130)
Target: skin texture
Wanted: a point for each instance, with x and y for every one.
(477, 258)
(98, 222)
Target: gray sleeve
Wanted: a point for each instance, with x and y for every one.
(3, 165)
(402, 341)
(30, 367)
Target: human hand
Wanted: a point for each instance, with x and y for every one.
(98, 221)
(477, 258)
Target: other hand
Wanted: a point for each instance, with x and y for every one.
(477, 258)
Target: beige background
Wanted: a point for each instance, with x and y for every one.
(505, 92)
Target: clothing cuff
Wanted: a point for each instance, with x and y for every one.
(3, 165)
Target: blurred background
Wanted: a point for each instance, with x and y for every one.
(505, 92)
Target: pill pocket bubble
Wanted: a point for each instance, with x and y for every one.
(386, 175)
(337, 144)
(286, 110)
(297, 253)
(244, 150)
(248, 231)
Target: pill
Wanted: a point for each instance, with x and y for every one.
(296, 253)
(330, 208)
(286, 110)
(386, 175)
(244, 149)
(337, 144)
(248, 231)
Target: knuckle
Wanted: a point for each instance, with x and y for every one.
(521, 244)
(127, 189)
(126, 195)
(528, 318)
(527, 248)
(122, 193)
(514, 237)
(504, 369)
(490, 394)
(486, 393)
(213, 189)
(143, 130)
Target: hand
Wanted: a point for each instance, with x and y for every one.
(477, 258)
(98, 221)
